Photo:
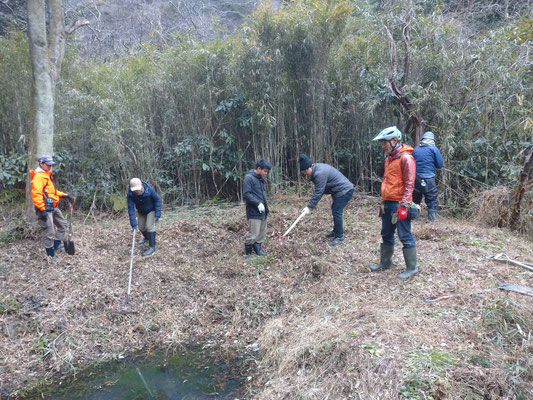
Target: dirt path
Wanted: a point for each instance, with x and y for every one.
(315, 322)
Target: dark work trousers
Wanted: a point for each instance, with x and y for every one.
(337, 209)
(388, 228)
(426, 187)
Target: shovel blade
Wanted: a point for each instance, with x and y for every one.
(69, 247)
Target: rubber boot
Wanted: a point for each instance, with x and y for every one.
(410, 261)
(431, 215)
(385, 260)
(248, 248)
(151, 241)
(258, 250)
(144, 239)
(58, 246)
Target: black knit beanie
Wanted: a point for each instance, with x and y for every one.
(305, 162)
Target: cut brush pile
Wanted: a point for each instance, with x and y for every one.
(312, 321)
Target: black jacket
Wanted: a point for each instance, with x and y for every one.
(254, 192)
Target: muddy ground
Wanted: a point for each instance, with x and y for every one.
(311, 321)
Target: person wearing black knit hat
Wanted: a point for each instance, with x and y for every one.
(254, 193)
(328, 180)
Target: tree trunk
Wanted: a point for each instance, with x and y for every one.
(46, 57)
(519, 193)
(42, 100)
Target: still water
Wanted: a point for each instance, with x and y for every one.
(186, 376)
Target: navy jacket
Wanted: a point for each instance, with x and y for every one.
(254, 192)
(328, 180)
(146, 202)
(427, 159)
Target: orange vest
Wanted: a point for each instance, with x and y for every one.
(393, 186)
(41, 182)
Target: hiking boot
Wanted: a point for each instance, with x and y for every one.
(144, 239)
(385, 261)
(336, 241)
(58, 246)
(151, 240)
(330, 235)
(431, 215)
(258, 250)
(410, 261)
(50, 252)
(248, 248)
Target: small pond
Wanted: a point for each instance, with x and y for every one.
(184, 376)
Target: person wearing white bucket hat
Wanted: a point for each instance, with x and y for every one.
(143, 197)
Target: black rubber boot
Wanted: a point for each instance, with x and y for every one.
(385, 261)
(58, 246)
(248, 248)
(144, 239)
(151, 240)
(258, 250)
(431, 215)
(410, 261)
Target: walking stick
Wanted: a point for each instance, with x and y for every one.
(131, 266)
(294, 224)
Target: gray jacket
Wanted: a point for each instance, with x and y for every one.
(328, 180)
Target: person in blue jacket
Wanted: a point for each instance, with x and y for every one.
(254, 193)
(428, 159)
(144, 198)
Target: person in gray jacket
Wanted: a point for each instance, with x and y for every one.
(254, 193)
(328, 180)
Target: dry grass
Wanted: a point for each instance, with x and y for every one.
(492, 208)
(314, 322)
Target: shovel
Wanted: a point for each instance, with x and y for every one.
(293, 225)
(68, 243)
(131, 266)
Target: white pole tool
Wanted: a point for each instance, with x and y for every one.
(294, 224)
(131, 266)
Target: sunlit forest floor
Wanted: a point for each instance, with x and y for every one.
(311, 321)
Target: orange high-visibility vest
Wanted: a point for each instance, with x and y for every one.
(393, 186)
(41, 183)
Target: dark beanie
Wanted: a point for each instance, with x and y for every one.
(305, 162)
(263, 164)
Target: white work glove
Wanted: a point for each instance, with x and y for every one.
(261, 208)
(306, 211)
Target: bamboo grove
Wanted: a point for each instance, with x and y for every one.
(191, 116)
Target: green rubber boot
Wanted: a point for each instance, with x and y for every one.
(385, 261)
(410, 261)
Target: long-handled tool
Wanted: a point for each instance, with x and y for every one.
(69, 243)
(294, 224)
(131, 266)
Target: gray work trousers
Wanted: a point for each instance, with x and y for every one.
(257, 229)
(146, 222)
(54, 228)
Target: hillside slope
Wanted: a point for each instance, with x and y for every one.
(312, 321)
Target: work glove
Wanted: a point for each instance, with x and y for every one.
(306, 211)
(43, 215)
(261, 208)
(70, 198)
(402, 213)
